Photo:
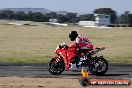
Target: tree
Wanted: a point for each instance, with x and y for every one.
(125, 18)
(87, 17)
(72, 17)
(62, 18)
(6, 14)
(37, 16)
(51, 15)
(107, 11)
(20, 15)
(130, 18)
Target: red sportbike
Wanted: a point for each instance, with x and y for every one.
(73, 59)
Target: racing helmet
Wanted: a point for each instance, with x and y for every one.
(73, 35)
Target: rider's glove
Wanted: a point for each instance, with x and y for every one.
(63, 46)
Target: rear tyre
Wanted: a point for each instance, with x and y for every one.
(56, 68)
(99, 66)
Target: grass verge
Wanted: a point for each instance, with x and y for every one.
(36, 44)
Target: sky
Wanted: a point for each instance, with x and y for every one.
(81, 6)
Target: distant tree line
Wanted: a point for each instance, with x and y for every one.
(125, 18)
(39, 17)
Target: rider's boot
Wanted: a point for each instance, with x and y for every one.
(67, 67)
(73, 66)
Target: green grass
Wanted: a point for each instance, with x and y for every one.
(36, 44)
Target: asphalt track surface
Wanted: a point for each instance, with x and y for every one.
(115, 71)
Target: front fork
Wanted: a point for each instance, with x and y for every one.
(56, 59)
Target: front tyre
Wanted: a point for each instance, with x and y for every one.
(99, 66)
(56, 67)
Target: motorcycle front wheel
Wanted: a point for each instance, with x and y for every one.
(56, 68)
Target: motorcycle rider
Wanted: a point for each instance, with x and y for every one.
(80, 42)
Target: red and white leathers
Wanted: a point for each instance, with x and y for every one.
(82, 43)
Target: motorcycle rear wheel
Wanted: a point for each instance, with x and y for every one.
(97, 64)
(56, 68)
